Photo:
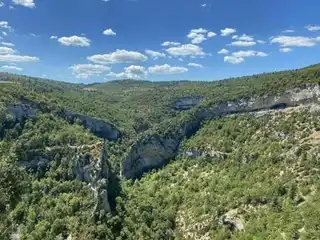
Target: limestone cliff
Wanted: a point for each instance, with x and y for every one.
(155, 150)
(28, 110)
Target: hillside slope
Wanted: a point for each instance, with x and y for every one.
(237, 159)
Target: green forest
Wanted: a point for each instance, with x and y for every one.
(241, 176)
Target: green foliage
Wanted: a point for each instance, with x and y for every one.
(265, 168)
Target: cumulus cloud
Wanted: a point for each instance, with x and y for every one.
(5, 24)
(25, 3)
(195, 65)
(84, 71)
(17, 58)
(261, 41)
(154, 54)
(185, 50)
(109, 32)
(167, 44)
(211, 34)
(11, 68)
(223, 51)
(249, 53)
(233, 60)
(239, 57)
(4, 33)
(243, 44)
(243, 37)
(7, 50)
(285, 50)
(75, 41)
(131, 72)
(54, 37)
(313, 28)
(295, 41)
(7, 44)
(1, 4)
(227, 31)
(166, 70)
(197, 36)
(203, 5)
(119, 56)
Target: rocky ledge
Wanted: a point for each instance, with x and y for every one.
(155, 150)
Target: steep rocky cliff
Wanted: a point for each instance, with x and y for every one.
(28, 110)
(154, 151)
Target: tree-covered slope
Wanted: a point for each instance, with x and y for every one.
(234, 175)
(257, 174)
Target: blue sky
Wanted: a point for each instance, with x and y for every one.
(96, 40)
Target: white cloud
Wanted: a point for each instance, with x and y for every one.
(211, 34)
(195, 65)
(243, 44)
(154, 54)
(288, 31)
(197, 35)
(186, 50)
(203, 5)
(261, 42)
(199, 30)
(5, 24)
(25, 3)
(75, 41)
(109, 32)
(4, 33)
(223, 51)
(180, 59)
(249, 53)
(313, 28)
(105, 0)
(11, 68)
(285, 50)
(166, 69)
(261, 54)
(119, 56)
(243, 37)
(198, 39)
(239, 57)
(7, 44)
(6, 50)
(295, 41)
(227, 31)
(84, 71)
(17, 58)
(1, 4)
(233, 60)
(131, 72)
(167, 44)
(54, 37)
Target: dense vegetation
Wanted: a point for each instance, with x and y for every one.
(262, 169)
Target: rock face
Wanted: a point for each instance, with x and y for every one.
(154, 151)
(95, 172)
(187, 103)
(29, 110)
(98, 127)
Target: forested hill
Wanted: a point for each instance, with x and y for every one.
(128, 159)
